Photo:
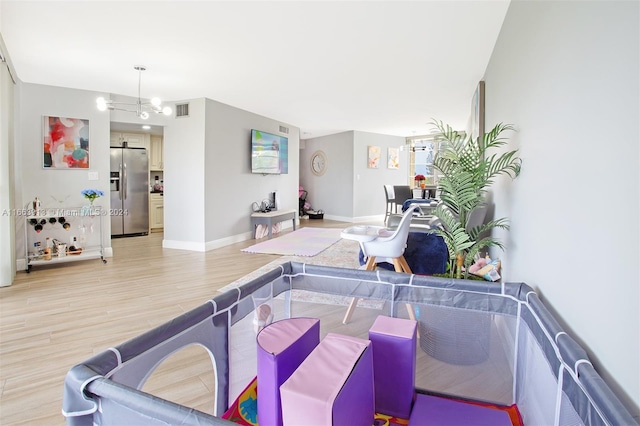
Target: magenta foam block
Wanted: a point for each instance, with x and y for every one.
(394, 364)
(437, 411)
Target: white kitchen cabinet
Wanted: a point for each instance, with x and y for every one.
(155, 157)
(156, 212)
(134, 140)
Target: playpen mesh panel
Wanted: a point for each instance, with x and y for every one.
(569, 417)
(463, 353)
(522, 336)
(536, 385)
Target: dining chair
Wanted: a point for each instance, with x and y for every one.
(402, 193)
(391, 206)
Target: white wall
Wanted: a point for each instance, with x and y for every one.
(349, 190)
(184, 179)
(566, 74)
(36, 101)
(7, 221)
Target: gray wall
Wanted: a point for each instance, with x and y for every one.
(34, 102)
(369, 188)
(566, 74)
(349, 190)
(209, 187)
(333, 191)
(231, 188)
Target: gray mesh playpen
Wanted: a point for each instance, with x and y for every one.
(484, 341)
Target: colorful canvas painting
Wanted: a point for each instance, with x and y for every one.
(393, 161)
(373, 156)
(66, 143)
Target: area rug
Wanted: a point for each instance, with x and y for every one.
(303, 242)
(342, 254)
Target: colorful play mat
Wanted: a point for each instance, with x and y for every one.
(244, 410)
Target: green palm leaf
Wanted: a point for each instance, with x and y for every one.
(468, 169)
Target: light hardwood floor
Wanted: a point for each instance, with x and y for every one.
(59, 315)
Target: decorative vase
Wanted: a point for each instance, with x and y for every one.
(87, 210)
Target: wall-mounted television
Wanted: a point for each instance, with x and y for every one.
(269, 153)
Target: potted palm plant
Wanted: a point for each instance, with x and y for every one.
(468, 167)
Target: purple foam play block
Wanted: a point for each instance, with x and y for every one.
(282, 346)
(435, 411)
(394, 364)
(333, 386)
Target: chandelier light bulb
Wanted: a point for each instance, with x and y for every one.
(141, 108)
(101, 104)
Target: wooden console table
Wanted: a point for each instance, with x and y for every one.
(272, 217)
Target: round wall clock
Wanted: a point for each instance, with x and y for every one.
(318, 163)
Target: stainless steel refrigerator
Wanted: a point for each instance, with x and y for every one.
(129, 189)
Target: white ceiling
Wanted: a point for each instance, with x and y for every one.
(386, 67)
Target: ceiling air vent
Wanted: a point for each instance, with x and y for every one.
(182, 110)
(284, 130)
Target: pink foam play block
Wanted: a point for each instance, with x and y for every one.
(333, 386)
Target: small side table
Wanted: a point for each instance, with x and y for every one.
(272, 217)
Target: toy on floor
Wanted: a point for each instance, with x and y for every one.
(486, 268)
(262, 317)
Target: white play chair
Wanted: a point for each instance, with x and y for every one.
(380, 244)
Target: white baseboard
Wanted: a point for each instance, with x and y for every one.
(209, 245)
(222, 242)
(375, 218)
(21, 264)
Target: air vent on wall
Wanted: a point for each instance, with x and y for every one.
(284, 130)
(182, 110)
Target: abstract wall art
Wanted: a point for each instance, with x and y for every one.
(393, 158)
(373, 157)
(66, 143)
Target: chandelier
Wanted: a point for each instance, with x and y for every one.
(141, 109)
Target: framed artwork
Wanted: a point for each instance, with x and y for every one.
(393, 158)
(373, 157)
(65, 143)
(477, 113)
